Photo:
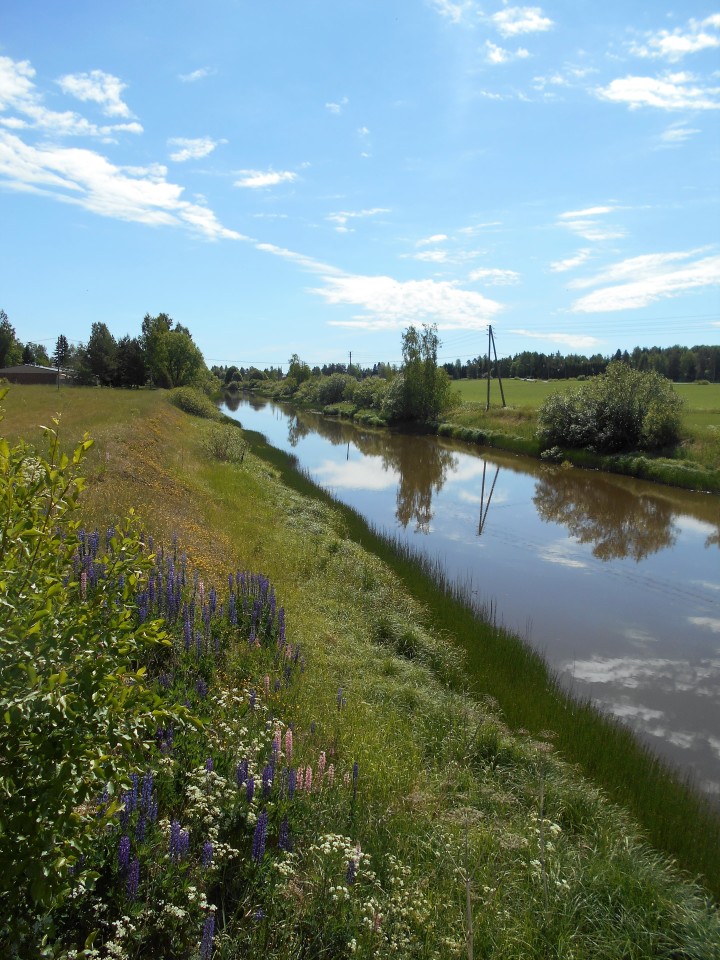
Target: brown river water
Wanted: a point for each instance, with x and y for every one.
(616, 581)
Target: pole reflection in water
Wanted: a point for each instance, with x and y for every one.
(620, 579)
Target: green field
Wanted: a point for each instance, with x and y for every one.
(701, 419)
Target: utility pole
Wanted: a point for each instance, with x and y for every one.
(491, 342)
(350, 365)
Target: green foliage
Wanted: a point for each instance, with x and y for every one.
(622, 409)
(423, 390)
(224, 442)
(74, 702)
(192, 401)
(10, 348)
(183, 359)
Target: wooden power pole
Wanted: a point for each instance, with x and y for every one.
(491, 343)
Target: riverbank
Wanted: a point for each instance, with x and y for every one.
(694, 465)
(469, 822)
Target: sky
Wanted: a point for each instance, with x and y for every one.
(312, 177)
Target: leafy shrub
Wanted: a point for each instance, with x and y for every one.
(73, 692)
(224, 442)
(369, 393)
(622, 409)
(192, 401)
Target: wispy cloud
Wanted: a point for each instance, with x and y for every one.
(585, 223)
(196, 75)
(455, 10)
(560, 266)
(677, 133)
(642, 280)
(337, 107)
(340, 219)
(675, 44)
(255, 179)
(90, 180)
(97, 87)
(390, 304)
(192, 149)
(515, 20)
(435, 238)
(498, 55)
(672, 91)
(576, 341)
(19, 95)
(495, 276)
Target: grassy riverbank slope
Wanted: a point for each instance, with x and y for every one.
(474, 834)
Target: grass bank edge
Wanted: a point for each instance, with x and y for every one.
(674, 816)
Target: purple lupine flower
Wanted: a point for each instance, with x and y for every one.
(207, 854)
(184, 843)
(206, 944)
(351, 871)
(133, 797)
(253, 697)
(209, 765)
(124, 852)
(292, 782)
(267, 779)
(133, 879)
(355, 775)
(201, 688)
(259, 837)
(146, 790)
(242, 772)
(175, 840)
(232, 610)
(152, 810)
(140, 829)
(250, 789)
(284, 835)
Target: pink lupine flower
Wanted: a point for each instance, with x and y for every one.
(288, 745)
(331, 774)
(308, 778)
(83, 584)
(266, 683)
(321, 767)
(300, 780)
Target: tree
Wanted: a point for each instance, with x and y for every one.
(622, 409)
(10, 349)
(154, 332)
(101, 351)
(61, 353)
(183, 360)
(131, 367)
(298, 370)
(424, 390)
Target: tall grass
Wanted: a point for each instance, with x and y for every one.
(675, 816)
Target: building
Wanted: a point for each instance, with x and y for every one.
(34, 373)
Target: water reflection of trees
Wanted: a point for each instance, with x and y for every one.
(598, 511)
(420, 462)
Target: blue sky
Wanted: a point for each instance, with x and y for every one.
(314, 176)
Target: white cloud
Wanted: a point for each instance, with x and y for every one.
(495, 276)
(97, 87)
(560, 266)
(264, 178)
(196, 75)
(341, 218)
(435, 238)
(642, 280)
(390, 304)
(677, 133)
(192, 149)
(674, 91)
(514, 20)
(18, 93)
(711, 623)
(585, 224)
(440, 255)
(89, 180)
(676, 44)
(454, 10)
(576, 341)
(498, 55)
(337, 107)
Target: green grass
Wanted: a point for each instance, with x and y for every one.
(455, 802)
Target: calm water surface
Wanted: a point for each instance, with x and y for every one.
(616, 581)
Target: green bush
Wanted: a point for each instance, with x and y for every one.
(224, 442)
(192, 401)
(73, 695)
(622, 409)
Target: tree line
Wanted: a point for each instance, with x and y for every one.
(164, 355)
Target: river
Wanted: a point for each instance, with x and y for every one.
(616, 581)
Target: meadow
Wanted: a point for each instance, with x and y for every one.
(431, 820)
(701, 415)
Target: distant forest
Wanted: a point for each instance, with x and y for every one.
(679, 364)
